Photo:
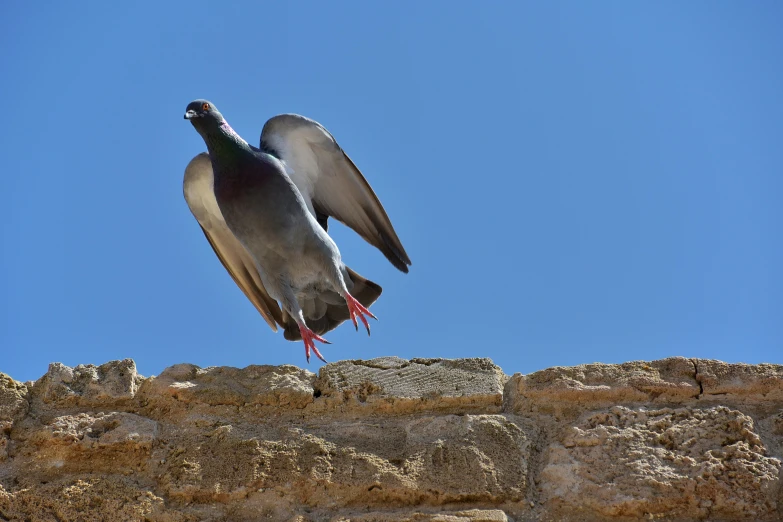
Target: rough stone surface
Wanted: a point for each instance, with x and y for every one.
(720, 379)
(279, 386)
(470, 515)
(391, 440)
(13, 399)
(563, 390)
(112, 383)
(398, 386)
(683, 463)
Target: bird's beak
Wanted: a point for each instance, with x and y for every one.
(190, 114)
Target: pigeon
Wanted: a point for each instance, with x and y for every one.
(265, 210)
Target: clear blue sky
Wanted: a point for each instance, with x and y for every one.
(574, 182)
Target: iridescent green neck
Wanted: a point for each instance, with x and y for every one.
(224, 141)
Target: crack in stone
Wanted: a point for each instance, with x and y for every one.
(696, 377)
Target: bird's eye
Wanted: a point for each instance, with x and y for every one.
(205, 107)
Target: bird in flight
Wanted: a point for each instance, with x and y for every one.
(265, 210)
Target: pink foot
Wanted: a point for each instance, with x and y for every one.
(356, 309)
(309, 337)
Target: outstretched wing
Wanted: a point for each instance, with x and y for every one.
(330, 183)
(200, 196)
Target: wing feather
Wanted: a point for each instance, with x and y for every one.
(200, 197)
(330, 182)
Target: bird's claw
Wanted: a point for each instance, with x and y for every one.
(309, 338)
(356, 309)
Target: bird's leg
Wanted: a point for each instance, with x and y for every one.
(356, 309)
(309, 338)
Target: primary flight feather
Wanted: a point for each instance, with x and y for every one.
(265, 213)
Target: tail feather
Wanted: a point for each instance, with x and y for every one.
(364, 290)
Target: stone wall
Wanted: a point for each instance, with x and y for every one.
(425, 440)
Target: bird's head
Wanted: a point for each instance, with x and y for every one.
(202, 114)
